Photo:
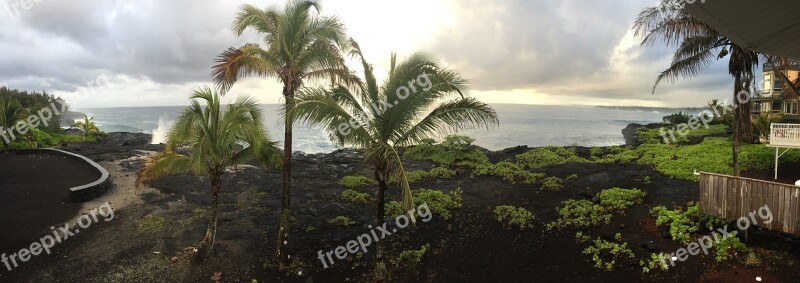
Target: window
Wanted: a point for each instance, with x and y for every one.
(767, 80)
(777, 106)
(778, 85)
(791, 108)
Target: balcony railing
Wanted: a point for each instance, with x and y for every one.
(791, 65)
(784, 135)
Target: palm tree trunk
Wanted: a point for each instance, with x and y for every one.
(380, 176)
(737, 117)
(207, 245)
(283, 240)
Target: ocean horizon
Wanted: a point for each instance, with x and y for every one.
(531, 125)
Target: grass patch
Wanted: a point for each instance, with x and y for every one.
(150, 224)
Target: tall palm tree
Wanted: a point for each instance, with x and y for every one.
(87, 125)
(213, 136)
(299, 46)
(419, 100)
(10, 113)
(698, 46)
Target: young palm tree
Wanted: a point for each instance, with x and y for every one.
(87, 125)
(419, 100)
(699, 46)
(299, 46)
(10, 112)
(213, 136)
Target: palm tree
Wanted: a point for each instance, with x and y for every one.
(300, 46)
(87, 125)
(213, 136)
(419, 100)
(10, 112)
(698, 46)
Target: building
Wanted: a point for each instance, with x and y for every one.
(775, 96)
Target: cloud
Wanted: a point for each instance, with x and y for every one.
(154, 52)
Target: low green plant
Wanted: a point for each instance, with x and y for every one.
(410, 259)
(510, 172)
(617, 199)
(548, 156)
(438, 202)
(580, 213)
(572, 177)
(646, 180)
(681, 223)
(355, 182)
(654, 263)
(580, 237)
(729, 247)
(514, 217)
(419, 175)
(150, 224)
(552, 183)
(393, 208)
(457, 142)
(596, 151)
(442, 173)
(354, 196)
(455, 150)
(605, 254)
(341, 221)
(677, 118)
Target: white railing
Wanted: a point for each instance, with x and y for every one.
(784, 135)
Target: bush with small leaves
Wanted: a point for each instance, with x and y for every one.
(605, 254)
(548, 156)
(729, 247)
(355, 182)
(552, 183)
(457, 142)
(341, 221)
(646, 180)
(681, 224)
(572, 177)
(580, 237)
(438, 202)
(580, 213)
(654, 263)
(514, 217)
(510, 172)
(617, 199)
(354, 196)
(441, 172)
(410, 259)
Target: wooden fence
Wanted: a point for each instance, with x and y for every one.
(732, 197)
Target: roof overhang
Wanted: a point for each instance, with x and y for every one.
(768, 26)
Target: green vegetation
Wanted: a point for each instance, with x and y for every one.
(552, 183)
(653, 263)
(419, 175)
(548, 156)
(454, 151)
(354, 196)
(653, 136)
(605, 254)
(87, 125)
(677, 118)
(150, 224)
(617, 199)
(439, 202)
(355, 182)
(729, 247)
(681, 224)
(580, 213)
(572, 177)
(580, 237)
(514, 217)
(646, 180)
(410, 259)
(341, 221)
(510, 172)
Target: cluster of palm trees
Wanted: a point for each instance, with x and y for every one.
(699, 46)
(10, 112)
(300, 47)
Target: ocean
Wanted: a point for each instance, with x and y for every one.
(532, 125)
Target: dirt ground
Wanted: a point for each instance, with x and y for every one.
(470, 247)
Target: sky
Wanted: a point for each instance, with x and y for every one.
(106, 53)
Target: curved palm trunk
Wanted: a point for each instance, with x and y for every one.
(207, 245)
(380, 176)
(737, 125)
(283, 240)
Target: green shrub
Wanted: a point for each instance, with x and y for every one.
(512, 217)
(572, 177)
(728, 248)
(617, 199)
(580, 237)
(654, 263)
(548, 156)
(457, 142)
(354, 196)
(605, 254)
(552, 183)
(341, 221)
(646, 180)
(419, 175)
(150, 224)
(442, 173)
(510, 172)
(411, 258)
(677, 118)
(455, 150)
(580, 213)
(681, 224)
(596, 151)
(355, 182)
(438, 202)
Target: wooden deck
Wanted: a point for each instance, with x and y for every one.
(732, 197)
